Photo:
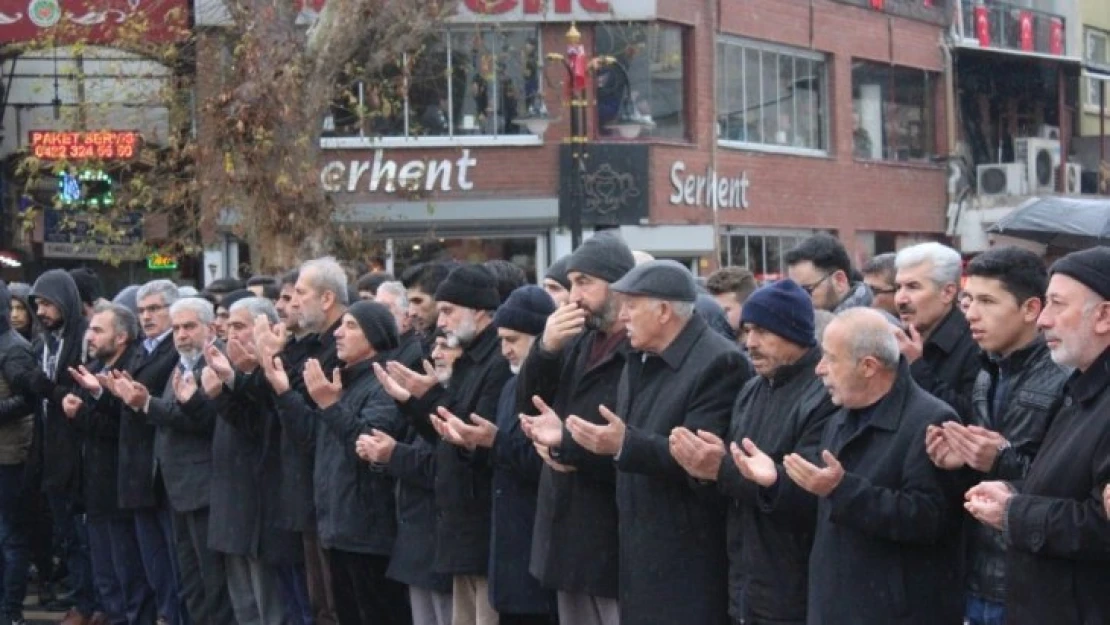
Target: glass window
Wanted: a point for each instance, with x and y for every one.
(760, 253)
(768, 95)
(650, 74)
(476, 81)
(1097, 54)
(892, 112)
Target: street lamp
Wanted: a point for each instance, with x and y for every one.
(577, 64)
(629, 122)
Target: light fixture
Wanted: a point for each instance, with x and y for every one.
(630, 122)
(538, 119)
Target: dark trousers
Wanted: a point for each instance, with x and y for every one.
(203, 577)
(118, 571)
(154, 534)
(13, 540)
(526, 619)
(294, 591)
(70, 531)
(318, 579)
(363, 594)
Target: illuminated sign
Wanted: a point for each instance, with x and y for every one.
(161, 262)
(106, 145)
(103, 22)
(87, 188)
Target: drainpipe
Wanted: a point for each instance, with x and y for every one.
(711, 6)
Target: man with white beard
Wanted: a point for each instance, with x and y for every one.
(517, 596)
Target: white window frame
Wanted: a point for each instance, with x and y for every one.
(797, 54)
(1090, 101)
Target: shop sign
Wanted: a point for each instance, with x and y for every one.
(708, 189)
(610, 189)
(93, 21)
(555, 10)
(106, 145)
(161, 262)
(390, 175)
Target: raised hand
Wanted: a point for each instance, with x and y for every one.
(478, 433)
(910, 342)
(940, 451)
(268, 338)
(274, 370)
(71, 405)
(242, 356)
(987, 502)
(184, 385)
(699, 454)
(84, 379)
(392, 387)
(753, 464)
(564, 324)
(545, 454)
(211, 383)
(376, 447)
(132, 393)
(544, 429)
(416, 384)
(817, 480)
(215, 360)
(323, 391)
(604, 440)
(977, 446)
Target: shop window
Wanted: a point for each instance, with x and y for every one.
(650, 74)
(771, 97)
(760, 252)
(892, 112)
(1097, 55)
(475, 81)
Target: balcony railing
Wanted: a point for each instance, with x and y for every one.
(1006, 26)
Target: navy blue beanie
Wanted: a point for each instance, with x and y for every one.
(782, 308)
(526, 310)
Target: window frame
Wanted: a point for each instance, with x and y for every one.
(452, 138)
(930, 104)
(1092, 85)
(745, 44)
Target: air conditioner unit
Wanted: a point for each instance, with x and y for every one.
(1049, 132)
(1001, 179)
(1041, 158)
(1073, 185)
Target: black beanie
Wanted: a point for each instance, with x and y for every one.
(377, 324)
(88, 284)
(1090, 266)
(558, 272)
(470, 286)
(782, 308)
(604, 256)
(525, 310)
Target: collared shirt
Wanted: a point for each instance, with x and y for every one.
(152, 344)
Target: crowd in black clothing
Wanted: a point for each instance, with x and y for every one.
(914, 442)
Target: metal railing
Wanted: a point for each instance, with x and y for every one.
(1013, 27)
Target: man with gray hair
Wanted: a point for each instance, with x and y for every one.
(410, 352)
(672, 534)
(887, 536)
(936, 338)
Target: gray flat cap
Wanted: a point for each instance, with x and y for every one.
(659, 279)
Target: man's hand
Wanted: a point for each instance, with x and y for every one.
(415, 383)
(274, 370)
(130, 392)
(753, 464)
(107, 382)
(85, 380)
(268, 338)
(544, 429)
(184, 385)
(565, 323)
(481, 433)
(604, 440)
(376, 447)
(211, 383)
(323, 391)
(699, 454)
(1106, 500)
(545, 455)
(911, 345)
(812, 478)
(391, 385)
(977, 446)
(71, 405)
(215, 360)
(242, 357)
(988, 501)
(939, 449)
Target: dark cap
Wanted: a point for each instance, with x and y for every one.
(604, 256)
(377, 324)
(1090, 266)
(659, 279)
(526, 310)
(470, 286)
(558, 272)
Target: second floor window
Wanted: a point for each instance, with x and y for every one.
(476, 81)
(650, 76)
(893, 112)
(1097, 55)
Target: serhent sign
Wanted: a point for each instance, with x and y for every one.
(708, 190)
(388, 175)
(554, 10)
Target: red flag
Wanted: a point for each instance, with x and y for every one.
(576, 57)
(1056, 38)
(982, 26)
(877, 5)
(1025, 25)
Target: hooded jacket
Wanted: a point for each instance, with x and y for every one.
(16, 407)
(22, 291)
(57, 450)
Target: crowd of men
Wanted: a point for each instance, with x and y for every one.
(913, 442)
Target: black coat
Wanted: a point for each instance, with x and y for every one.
(463, 498)
(1036, 395)
(56, 449)
(414, 551)
(410, 352)
(516, 474)
(575, 546)
(242, 501)
(887, 543)
(183, 446)
(768, 547)
(355, 506)
(1057, 531)
(672, 530)
(136, 434)
(949, 363)
(17, 405)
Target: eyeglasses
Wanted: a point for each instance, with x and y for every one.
(810, 288)
(153, 308)
(881, 291)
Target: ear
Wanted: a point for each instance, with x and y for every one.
(840, 281)
(949, 292)
(328, 298)
(1031, 309)
(1102, 318)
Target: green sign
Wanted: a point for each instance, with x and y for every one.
(161, 262)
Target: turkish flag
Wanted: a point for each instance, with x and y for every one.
(1025, 30)
(877, 5)
(1056, 37)
(982, 26)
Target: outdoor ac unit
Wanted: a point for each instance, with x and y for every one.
(1049, 132)
(1001, 179)
(1041, 158)
(1074, 183)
